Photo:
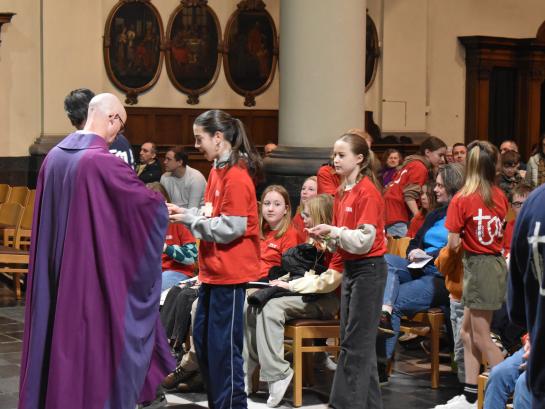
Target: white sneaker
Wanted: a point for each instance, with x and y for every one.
(458, 402)
(324, 361)
(277, 390)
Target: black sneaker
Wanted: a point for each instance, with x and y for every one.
(383, 377)
(385, 324)
(159, 402)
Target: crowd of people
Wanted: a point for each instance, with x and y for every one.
(235, 269)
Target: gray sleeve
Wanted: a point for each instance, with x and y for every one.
(221, 229)
(359, 241)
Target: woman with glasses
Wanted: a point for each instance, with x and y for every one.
(409, 290)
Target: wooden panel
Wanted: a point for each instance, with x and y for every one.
(174, 126)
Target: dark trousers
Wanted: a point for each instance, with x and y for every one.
(356, 382)
(218, 335)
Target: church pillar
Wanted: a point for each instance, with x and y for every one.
(322, 77)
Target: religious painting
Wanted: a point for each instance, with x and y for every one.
(251, 50)
(132, 47)
(372, 52)
(193, 59)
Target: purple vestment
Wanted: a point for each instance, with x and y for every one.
(93, 339)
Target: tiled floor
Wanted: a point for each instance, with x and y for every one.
(409, 386)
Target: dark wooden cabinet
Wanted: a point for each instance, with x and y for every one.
(504, 82)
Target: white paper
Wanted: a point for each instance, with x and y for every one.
(420, 262)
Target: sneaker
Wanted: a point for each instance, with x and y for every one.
(496, 339)
(277, 390)
(324, 361)
(385, 324)
(458, 402)
(174, 378)
(383, 377)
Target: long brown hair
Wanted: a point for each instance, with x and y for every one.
(284, 224)
(234, 132)
(359, 146)
(480, 176)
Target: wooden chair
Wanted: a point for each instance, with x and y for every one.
(303, 332)
(14, 261)
(425, 323)
(10, 220)
(5, 190)
(19, 194)
(25, 229)
(481, 386)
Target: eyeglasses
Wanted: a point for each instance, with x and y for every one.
(122, 128)
(511, 165)
(517, 204)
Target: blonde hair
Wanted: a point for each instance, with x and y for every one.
(482, 159)
(320, 209)
(313, 178)
(284, 224)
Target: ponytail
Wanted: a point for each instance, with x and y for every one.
(234, 132)
(368, 167)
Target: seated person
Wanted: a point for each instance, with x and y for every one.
(308, 190)
(427, 204)
(409, 291)
(277, 235)
(179, 249)
(509, 176)
(184, 185)
(149, 169)
(264, 331)
(392, 159)
(459, 152)
(507, 377)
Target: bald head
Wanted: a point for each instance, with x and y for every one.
(106, 116)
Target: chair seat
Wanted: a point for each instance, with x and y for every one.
(13, 251)
(312, 323)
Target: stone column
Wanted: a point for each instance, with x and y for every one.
(322, 84)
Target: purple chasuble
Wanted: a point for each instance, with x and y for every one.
(93, 339)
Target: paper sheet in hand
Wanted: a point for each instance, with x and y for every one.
(420, 262)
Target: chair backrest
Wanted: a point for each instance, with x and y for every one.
(398, 247)
(5, 190)
(11, 214)
(31, 197)
(28, 213)
(19, 194)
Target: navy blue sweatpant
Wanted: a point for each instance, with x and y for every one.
(218, 334)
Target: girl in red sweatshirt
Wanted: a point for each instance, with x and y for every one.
(229, 253)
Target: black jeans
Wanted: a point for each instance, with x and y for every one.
(356, 382)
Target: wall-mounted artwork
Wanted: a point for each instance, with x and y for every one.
(193, 57)
(372, 52)
(251, 50)
(133, 40)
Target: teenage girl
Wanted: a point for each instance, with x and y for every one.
(308, 190)
(475, 219)
(264, 331)
(358, 234)
(428, 203)
(229, 253)
(277, 235)
(402, 193)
